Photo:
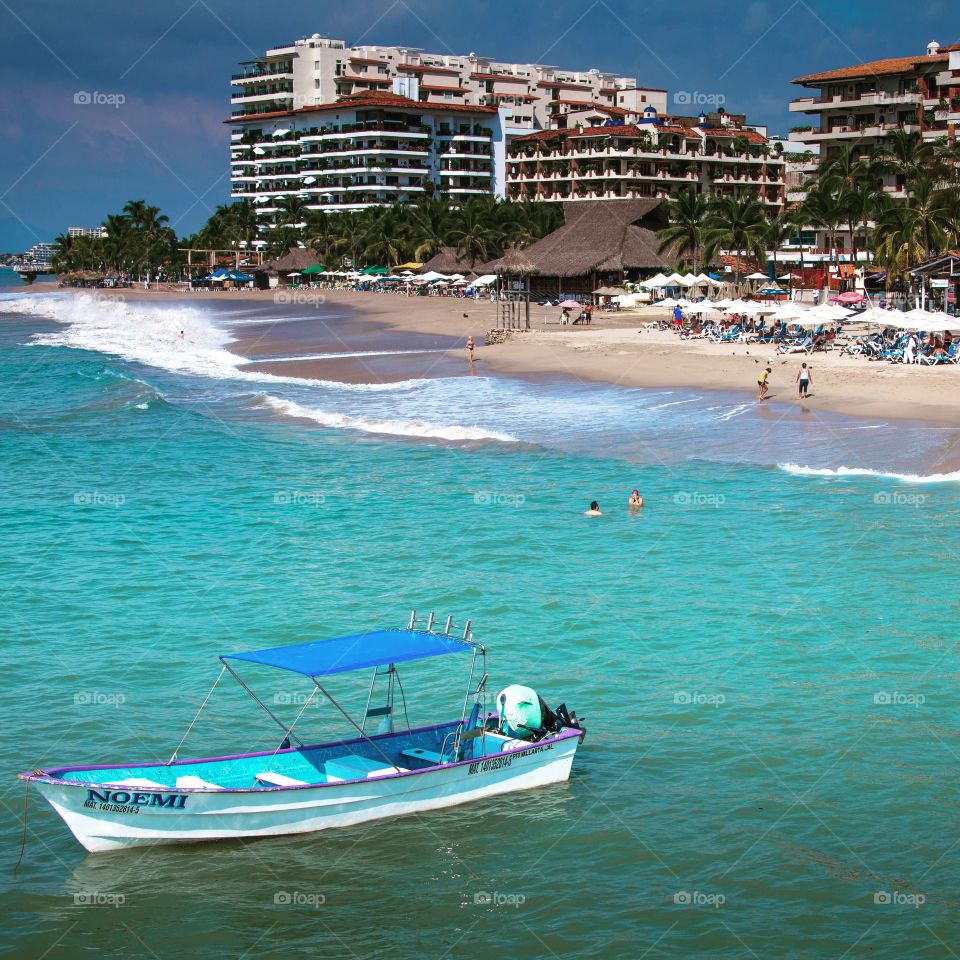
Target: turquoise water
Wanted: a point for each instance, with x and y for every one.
(767, 662)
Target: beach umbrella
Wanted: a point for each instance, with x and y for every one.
(569, 305)
(669, 303)
(376, 271)
(314, 268)
(757, 276)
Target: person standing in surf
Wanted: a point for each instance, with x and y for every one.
(763, 385)
(804, 379)
(471, 346)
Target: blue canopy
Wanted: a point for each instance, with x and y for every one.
(374, 649)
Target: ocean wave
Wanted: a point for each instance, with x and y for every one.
(840, 472)
(396, 428)
(150, 334)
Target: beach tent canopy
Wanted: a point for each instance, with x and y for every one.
(656, 281)
(375, 271)
(485, 280)
(608, 292)
(239, 277)
(356, 652)
(757, 276)
(413, 265)
(314, 268)
(432, 275)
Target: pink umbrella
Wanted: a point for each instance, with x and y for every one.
(571, 305)
(851, 296)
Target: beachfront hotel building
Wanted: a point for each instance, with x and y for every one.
(859, 106)
(650, 157)
(367, 149)
(318, 70)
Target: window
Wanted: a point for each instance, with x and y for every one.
(316, 64)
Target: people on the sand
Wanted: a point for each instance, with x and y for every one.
(763, 385)
(636, 501)
(804, 379)
(594, 510)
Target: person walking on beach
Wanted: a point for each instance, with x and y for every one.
(804, 379)
(635, 502)
(594, 510)
(471, 346)
(910, 350)
(763, 384)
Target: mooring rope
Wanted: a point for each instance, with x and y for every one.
(173, 756)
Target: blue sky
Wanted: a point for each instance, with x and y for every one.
(68, 164)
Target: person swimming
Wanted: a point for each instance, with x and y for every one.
(636, 501)
(594, 510)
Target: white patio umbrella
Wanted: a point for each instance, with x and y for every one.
(757, 276)
(669, 302)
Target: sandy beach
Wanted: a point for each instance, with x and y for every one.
(616, 349)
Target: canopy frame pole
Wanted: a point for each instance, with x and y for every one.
(173, 756)
(296, 720)
(391, 670)
(354, 724)
(466, 700)
(258, 701)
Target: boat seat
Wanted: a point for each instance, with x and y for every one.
(419, 753)
(197, 783)
(279, 780)
(354, 767)
(136, 782)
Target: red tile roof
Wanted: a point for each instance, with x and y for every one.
(423, 68)
(877, 68)
(367, 98)
(623, 130)
(505, 77)
(567, 84)
(439, 89)
(751, 135)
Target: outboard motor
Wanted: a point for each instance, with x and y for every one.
(524, 715)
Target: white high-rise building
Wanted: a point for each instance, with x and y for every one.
(318, 70)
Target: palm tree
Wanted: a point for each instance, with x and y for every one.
(929, 205)
(735, 223)
(779, 230)
(291, 210)
(386, 235)
(474, 236)
(899, 245)
(684, 236)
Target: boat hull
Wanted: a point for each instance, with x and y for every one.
(104, 818)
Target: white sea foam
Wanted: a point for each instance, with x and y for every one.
(342, 356)
(735, 411)
(840, 472)
(150, 334)
(397, 428)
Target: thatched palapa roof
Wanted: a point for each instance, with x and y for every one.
(514, 262)
(600, 236)
(447, 260)
(296, 258)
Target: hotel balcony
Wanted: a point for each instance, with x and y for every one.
(811, 104)
(263, 97)
(352, 131)
(845, 132)
(267, 76)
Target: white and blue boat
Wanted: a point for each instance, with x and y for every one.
(301, 788)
